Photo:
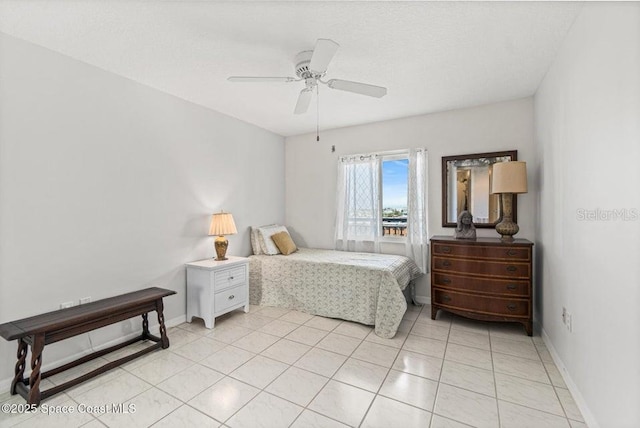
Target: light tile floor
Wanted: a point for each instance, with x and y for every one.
(280, 368)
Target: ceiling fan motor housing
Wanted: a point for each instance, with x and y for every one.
(302, 61)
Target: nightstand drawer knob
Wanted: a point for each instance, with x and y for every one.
(512, 286)
(446, 263)
(446, 298)
(446, 250)
(512, 268)
(232, 297)
(446, 281)
(511, 306)
(511, 252)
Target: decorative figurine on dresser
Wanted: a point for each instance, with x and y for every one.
(465, 228)
(484, 279)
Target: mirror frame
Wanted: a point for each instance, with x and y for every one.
(445, 185)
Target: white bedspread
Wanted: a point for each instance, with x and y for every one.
(362, 287)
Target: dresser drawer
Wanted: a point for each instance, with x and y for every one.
(482, 304)
(482, 285)
(230, 277)
(477, 267)
(483, 252)
(229, 298)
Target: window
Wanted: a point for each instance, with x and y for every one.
(383, 196)
(395, 175)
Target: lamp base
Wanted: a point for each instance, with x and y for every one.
(507, 228)
(221, 243)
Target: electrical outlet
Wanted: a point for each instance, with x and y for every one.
(66, 305)
(84, 300)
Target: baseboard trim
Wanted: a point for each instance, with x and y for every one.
(423, 300)
(5, 384)
(589, 419)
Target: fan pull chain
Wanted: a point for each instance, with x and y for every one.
(317, 113)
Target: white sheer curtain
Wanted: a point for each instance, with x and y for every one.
(417, 233)
(358, 222)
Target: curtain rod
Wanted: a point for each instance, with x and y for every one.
(378, 154)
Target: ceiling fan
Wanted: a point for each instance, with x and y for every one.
(311, 66)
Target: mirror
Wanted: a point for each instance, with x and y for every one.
(465, 186)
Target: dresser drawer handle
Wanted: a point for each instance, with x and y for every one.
(511, 252)
(446, 263)
(512, 286)
(511, 306)
(446, 298)
(512, 268)
(231, 297)
(446, 250)
(446, 281)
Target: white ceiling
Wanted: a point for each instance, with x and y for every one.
(432, 56)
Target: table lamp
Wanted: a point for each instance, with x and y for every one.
(222, 224)
(508, 178)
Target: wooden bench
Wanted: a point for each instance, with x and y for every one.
(51, 327)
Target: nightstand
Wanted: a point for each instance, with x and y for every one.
(215, 288)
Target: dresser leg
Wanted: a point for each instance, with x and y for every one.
(434, 311)
(528, 326)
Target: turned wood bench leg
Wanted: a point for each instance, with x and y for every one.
(163, 330)
(145, 326)
(37, 346)
(20, 365)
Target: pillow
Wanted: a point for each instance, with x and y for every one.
(266, 243)
(284, 243)
(255, 239)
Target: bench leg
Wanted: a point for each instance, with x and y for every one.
(20, 365)
(163, 329)
(37, 346)
(145, 326)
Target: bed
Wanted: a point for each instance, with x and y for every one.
(361, 287)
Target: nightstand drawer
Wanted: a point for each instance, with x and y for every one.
(229, 298)
(229, 278)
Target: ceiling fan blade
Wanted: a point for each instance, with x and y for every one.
(303, 101)
(260, 79)
(322, 55)
(358, 88)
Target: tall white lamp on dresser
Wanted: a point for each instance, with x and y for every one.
(217, 287)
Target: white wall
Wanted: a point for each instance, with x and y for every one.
(311, 168)
(587, 114)
(107, 186)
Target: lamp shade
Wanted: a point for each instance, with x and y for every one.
(222, 224)
(509, 177)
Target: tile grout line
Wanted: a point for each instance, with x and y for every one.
(377, 393)
(444, 354)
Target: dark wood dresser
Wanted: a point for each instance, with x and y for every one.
(485, 279)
